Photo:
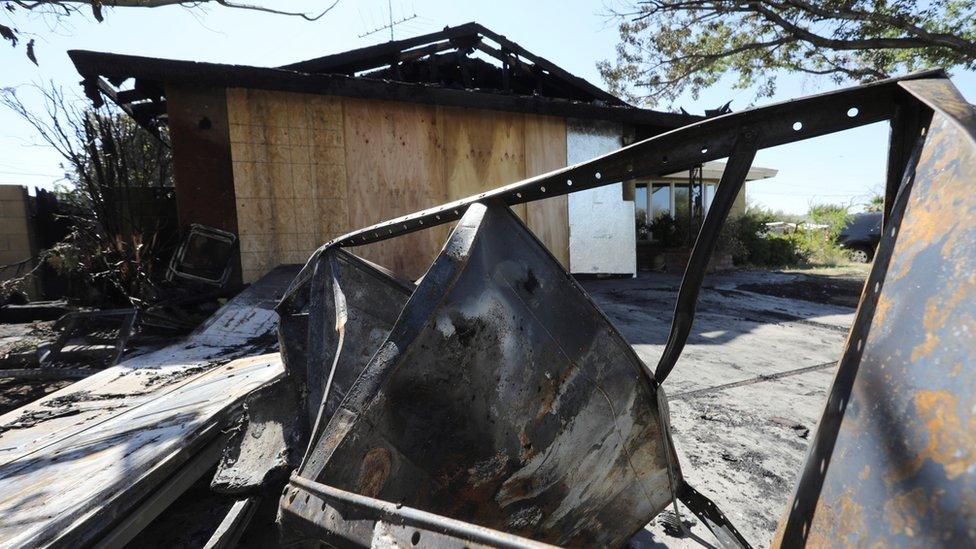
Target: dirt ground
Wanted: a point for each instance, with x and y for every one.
(748, 390)
(19, 338)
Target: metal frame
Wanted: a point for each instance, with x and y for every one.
(949, 151)
(127, 321)
(448, 532)
(176, 262)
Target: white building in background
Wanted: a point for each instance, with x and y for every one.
(603, 235)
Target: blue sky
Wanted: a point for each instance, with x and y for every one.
(575, 34)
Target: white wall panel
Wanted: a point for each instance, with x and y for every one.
(602, 239)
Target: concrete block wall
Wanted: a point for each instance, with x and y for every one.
(15, 239)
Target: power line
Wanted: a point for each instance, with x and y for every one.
(30, 174)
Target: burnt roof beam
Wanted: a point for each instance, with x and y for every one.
(372, 57)
(553, 69)
(93, 64)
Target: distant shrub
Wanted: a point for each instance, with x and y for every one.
(667, 231)
(818, 245)
(748, 240)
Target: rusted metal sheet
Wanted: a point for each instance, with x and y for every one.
(500, 395)
(894, 461)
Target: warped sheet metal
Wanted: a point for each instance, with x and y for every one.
(501, 396)
(441, 414)
(894, 460)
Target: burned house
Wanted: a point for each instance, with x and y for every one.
(493, 402)
(291, 157)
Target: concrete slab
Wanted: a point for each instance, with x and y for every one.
(745, 395)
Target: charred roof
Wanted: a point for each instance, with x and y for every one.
(464, 66)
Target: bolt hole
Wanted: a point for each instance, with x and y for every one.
(704, 150)
(797, 126)
(664, 160)
(543, 189)
(518, 195)
(455, 212)
(852, 112)
(415, 538)
(438, 217)
(877, 287)
(598, 175)
(924, 131)
(569, 182)
(205, 123)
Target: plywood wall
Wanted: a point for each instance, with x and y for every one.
(289, 175)
(309, 168)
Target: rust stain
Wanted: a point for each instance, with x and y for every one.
(881, 309)
(374, 472)
(865, 473)
(926, 347)
(838, 524)
(950, 444)
(902, 512)
(940, 309)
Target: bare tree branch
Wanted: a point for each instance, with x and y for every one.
(65, 8)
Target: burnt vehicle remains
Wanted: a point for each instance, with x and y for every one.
(494, 395)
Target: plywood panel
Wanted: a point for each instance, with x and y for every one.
(395, 166)
(309, 168)
(545, 150)
(289, 171)
(482, 150)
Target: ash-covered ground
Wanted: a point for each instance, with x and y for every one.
(748, 391)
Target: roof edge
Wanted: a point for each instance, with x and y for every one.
(119, 67)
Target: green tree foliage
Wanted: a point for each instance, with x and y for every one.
(668, 47)
(816, 244)
(876, 204)
(748, 240)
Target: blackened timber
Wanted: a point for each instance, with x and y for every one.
(94, 64)
(372, 56)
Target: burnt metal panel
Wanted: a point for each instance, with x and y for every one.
(894, 459)
(353, 307)
(503, 397)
